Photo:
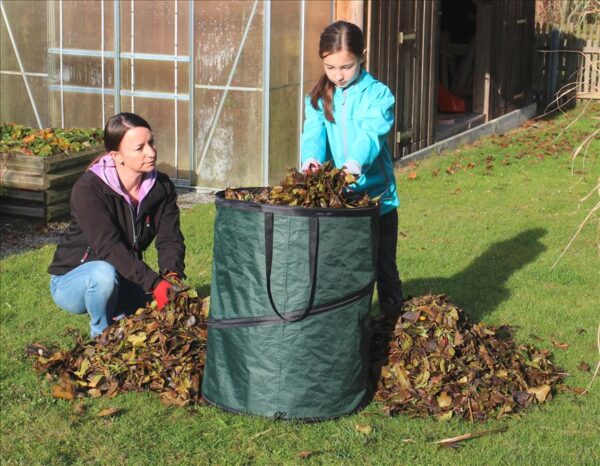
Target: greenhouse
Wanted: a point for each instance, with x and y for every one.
(221, 82)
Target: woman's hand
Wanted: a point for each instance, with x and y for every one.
(161, 294)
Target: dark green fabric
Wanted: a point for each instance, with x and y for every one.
(311, 369)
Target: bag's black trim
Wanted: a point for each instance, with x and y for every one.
(278, 416)
(275, 319)
(313, 251)
(294, 210)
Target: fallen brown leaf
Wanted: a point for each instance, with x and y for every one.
(64, 393)
(363, 429)
(108, 412)
(562, 346)
(584, 366)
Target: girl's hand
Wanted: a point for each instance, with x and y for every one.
(311, 166)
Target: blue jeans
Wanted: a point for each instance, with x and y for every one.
(97, 288)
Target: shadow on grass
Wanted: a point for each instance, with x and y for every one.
(481, 287)
(478, 289)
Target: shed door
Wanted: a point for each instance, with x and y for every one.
(402, 43)
(512, 50)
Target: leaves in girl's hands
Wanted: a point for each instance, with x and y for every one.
(326, 187)
(161, 351)
(437, 363)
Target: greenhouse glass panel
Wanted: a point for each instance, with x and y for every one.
(182, 158)
(219, 29)
(318, 14)
(82, 26)
(28, 23)
(82, 71)
(16, 104)
(150, 75)
(233, 155)
(284, 87)
(228, 96)
(82, 110)
(161, 116)
(149, 26)
(81, 62)
(23, 63)
(8, 58)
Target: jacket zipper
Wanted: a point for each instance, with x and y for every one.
(135, 235)
(344, 128)
(85, 254)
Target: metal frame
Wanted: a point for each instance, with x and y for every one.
(266, 93)
(191, 148)
(301, 91)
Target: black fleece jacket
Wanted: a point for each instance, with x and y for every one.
(104, 226)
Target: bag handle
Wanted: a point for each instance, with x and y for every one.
(313, 249)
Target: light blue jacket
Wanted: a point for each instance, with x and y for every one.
(364, 115)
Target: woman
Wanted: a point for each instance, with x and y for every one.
(348, 117)
(118, 206)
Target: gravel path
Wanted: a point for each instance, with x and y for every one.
(19, 235)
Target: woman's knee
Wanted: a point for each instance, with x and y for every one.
(103, 277)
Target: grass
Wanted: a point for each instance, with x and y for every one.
(486, 236)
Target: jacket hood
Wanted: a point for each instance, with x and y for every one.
(106, 170)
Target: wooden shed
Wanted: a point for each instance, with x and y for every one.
(480, 51)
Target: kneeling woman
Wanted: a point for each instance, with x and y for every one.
(117, 208)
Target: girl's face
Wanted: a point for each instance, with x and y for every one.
(137, 151)
(342, 68)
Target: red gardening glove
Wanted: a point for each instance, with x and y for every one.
(161, 293)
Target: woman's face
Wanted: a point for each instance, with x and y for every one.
(137, 151)
(342, 68)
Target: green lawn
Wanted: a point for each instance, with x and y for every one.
(486, 236)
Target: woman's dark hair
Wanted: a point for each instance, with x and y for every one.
(338, 36)
(115, 130)
(118, 125)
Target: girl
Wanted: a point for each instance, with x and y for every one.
(117, 208)
(348, 117)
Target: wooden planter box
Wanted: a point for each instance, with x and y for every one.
(40, 187)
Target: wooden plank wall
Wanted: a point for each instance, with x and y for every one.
(512, 49)
(409, 68)
(567, 63)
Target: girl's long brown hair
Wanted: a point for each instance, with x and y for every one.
(338, 36)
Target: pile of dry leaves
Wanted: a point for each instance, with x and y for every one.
(161, 351)
(326, 187)
(433, 362)
(438, 363)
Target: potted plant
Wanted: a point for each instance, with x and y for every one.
(39, 166)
